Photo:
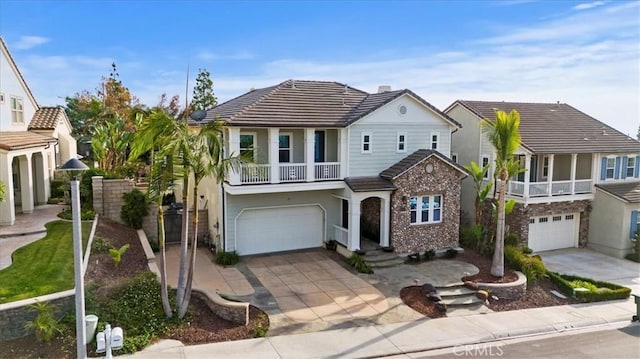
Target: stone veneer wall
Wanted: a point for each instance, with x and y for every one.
(443, 180)
(518, 220)
(370, 218)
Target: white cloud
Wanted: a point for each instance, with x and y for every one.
(588, 5)
(205, 55)
(27, 42)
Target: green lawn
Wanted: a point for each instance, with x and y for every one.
(44, 266)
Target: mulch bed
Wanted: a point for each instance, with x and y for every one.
(537, 295)
(203, 327)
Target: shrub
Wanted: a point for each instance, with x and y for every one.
(511, 239)
(357, 262)
(260, 330)
(635, 255)
(134, 208)
(471, 237)
(99, 245)
(603, 290)
(44, 324)
(429, 254)
(227, 258)
(116, 254)
(526, 250)
(531, 267)
(54, 200)
(59, 187)
(85, 214)
(450, 253)
(413, 258)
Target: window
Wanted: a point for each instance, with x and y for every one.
(532, 220)
(485, 161)
(366, 142)
(284, 148)
(610, 168)
(543, 220)
(454, 157)
(426, 209)
(247, 146)
(631, 166)
(17, 110)
(569, 217)
(545, 166)
(557, 218)
(402, 142)
(434, 141)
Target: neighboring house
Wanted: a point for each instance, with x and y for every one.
(331, 162)
(34, 140)
(574, 166)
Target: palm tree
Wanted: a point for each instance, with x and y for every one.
(504, 135)
(478, 176)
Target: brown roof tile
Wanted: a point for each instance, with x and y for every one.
(46, 118)
(366, 184)
(558, 128)
(415, 158)
(296, 103)
(629, 192)
(23, 139)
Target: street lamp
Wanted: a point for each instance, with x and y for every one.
(74, 167)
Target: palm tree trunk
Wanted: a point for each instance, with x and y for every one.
(497, 265)
(184, 305)
(164, 292)
(184, 240)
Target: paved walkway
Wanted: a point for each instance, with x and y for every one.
(408, 339)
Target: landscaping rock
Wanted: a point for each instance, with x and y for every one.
(471, 285)
(442, 308)
(428, 288)
(434, 297)
(482, 294)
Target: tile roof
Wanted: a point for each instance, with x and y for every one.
(300, 103)
(557, 128)
(13, 62)
(629, 192)
(415, 158)
(46, 118)
(366, 184)
(23, 139)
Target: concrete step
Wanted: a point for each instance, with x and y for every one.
(455, 291)
(379, 257)
(466, 300)
(392, 262)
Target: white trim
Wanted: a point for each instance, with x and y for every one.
(284, 187)
(606, 169)
(625, 169)
(482, 164)
(255, 139)
(437, 136)
(403, 142)
(12, 110)
(235, 219)
(369, 143)
(454, 154)
(431, 209)
(290, 134)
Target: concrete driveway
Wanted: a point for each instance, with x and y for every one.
(591, 264)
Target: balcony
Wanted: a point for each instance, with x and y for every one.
(549, 189)
(251, 173)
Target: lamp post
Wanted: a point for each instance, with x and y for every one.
(74, 167)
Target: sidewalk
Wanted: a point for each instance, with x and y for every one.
(409, 337)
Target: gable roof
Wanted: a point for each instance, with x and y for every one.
(367, 184)
(413, 160)
(556, 127)
(5, 49)
(302, 103)
(46, 118)
(23, 139)
(627, 191)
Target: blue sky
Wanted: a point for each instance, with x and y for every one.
(584, 53)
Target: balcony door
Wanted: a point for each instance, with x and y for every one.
(319, 146)
(284, 148)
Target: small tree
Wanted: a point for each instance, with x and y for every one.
(203, 96)
(134, 209)
(482, 190)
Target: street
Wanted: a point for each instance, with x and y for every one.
(617, 343)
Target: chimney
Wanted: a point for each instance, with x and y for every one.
(384, 88)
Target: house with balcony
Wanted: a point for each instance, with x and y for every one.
(573, 163)
(327, 161)
(34, 141)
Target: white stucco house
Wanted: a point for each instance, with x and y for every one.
(34, 141)
(332, 162)
(580, 181)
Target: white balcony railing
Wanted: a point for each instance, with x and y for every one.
(583, 186)
(558, 188)
(251, 173)
(341, 234)
(293, 172)
(327, 171)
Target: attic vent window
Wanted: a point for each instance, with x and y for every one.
(402, 109)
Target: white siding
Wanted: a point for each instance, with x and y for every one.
(384, 124)
(235, 204)
(10, 85)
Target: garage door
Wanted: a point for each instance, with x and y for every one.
(279, 229)
(553, 232)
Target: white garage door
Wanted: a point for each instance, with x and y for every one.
(279, 229)
(554, 232)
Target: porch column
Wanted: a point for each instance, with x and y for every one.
(26, 183)
(550, 176)
(574, 160)
(274, 154)
(353, 243)
(309, 153)
(7, 210)
(527, 174)
(385, 211)
(234, 150)
(342, 151)
(595, 160)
